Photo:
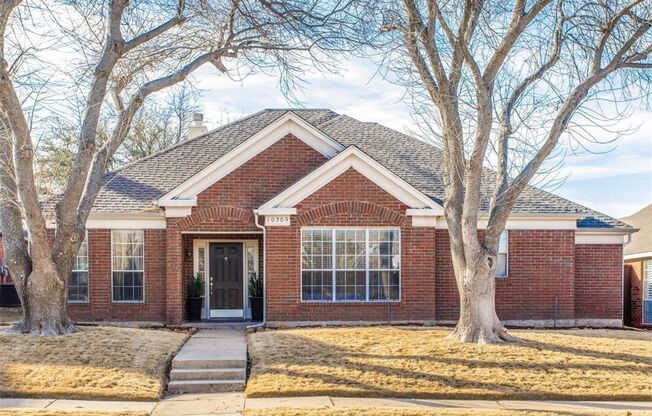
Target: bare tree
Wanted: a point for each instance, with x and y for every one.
(502, 83)
(127, 51)
(156, 126)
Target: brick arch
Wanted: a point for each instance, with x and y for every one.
(349, 207)
(240, 215)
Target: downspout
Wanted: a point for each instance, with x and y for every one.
(262, 227)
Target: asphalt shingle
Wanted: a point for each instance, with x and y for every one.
(135, 187)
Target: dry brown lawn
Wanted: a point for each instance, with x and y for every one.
(428, 412)
(420, 362)
(95, 363)
(25, 412)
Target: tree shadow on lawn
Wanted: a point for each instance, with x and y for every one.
(96, 362)
(346, 372)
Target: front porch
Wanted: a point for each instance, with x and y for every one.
(225, 262)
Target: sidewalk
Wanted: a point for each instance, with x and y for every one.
(232, 404)
(77, 405)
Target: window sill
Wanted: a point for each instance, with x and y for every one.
(350, 302)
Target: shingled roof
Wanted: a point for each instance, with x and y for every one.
(641, 241)
(135, 187)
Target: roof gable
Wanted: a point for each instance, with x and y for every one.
(186, 193)
(351, 158)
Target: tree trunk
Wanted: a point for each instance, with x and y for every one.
(44, 306)
(478, 322)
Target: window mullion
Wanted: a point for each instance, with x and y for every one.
(366, 262)
(334, 266)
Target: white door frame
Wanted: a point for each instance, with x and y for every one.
(208, 313)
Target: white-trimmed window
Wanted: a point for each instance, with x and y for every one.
(350, 264)
(78, 281)
(502, 260)
(128, 259)
(647, 292)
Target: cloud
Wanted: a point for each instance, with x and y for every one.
(617, 182)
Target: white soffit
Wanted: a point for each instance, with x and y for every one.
(635, 256)
(186, 193)
(526, 223)
(120, 222)
(353, 158)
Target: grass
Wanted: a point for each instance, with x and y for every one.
(419, 362)
(31, 412)
(428, 412)
(95, 363)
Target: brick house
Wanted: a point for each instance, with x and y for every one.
(638, 268)
(343, 221)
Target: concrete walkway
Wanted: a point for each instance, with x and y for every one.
(232, 404)
(77, 405)
(213, 360)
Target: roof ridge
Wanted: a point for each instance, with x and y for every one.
(331, 120)
(184, 142)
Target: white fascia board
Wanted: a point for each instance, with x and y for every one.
(635, 256)
(424, 212)
(245, 151)
(599, 238)
(526, 223)
(276, 211)
(121, 222)
(178, 212)
(352, 157)
(190, 202)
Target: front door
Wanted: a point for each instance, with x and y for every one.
(226, 280)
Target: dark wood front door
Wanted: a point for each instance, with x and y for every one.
(226, 277)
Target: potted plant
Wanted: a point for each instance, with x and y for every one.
(256, 296)
(194, 297)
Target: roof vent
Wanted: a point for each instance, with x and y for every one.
(196, 127)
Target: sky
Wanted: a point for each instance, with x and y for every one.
(615, 179)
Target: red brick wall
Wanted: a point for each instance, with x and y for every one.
(227, 205)
(598, 281)
(256, 182)
(100, 306)
(539, 284)
(350, 200)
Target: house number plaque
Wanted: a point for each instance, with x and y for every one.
(277, 220)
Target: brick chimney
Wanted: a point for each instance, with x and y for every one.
(196, 126)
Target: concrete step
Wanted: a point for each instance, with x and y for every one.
(208, 363)
(207, 373)
(205, 386)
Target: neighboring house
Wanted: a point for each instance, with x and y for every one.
(638, 267)
(8, 296)
(344, 221)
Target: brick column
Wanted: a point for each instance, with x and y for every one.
(174, 300)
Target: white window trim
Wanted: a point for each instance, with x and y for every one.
(112, 270)
(647, 288)
(366, 269)
(506, 257)
(88, 274)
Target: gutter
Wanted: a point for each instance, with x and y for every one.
(262, 227)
